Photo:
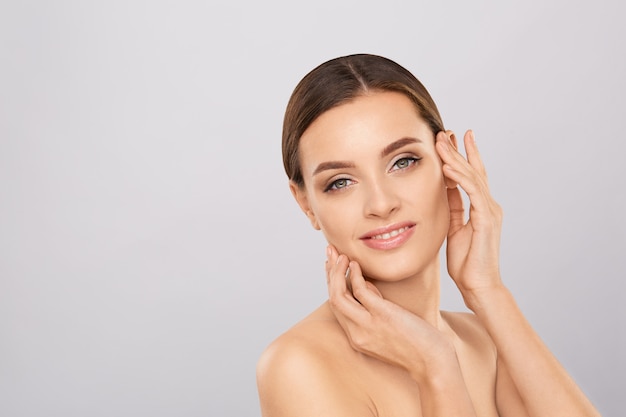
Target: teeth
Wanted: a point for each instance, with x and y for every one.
(393, 233)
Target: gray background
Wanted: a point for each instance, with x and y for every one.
(149, 246)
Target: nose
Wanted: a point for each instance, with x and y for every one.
(381, 201)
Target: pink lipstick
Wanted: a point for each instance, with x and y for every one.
(389, 237)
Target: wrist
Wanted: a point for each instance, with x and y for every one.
(480, 300)
(437, 370)
(443, 391)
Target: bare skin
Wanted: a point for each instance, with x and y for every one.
(380, 346)
(314, 360)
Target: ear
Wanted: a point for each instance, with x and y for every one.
(452, 137)
(449, 183)
(299, 193)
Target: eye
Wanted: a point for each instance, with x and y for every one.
(404, 163)
(338, 184)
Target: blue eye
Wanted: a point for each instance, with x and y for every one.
(405, 162)
(338, 184)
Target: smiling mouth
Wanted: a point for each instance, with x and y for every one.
(389, 235)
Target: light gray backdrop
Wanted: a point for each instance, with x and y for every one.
(149, 246)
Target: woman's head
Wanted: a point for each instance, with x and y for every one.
(341, 80)
(360, 153)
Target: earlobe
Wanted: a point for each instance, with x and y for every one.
(313, 220)
(299, 193)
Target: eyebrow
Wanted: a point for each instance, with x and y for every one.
(332, 165)
(393, 146)
(400, 143)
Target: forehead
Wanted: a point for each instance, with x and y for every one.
(361, 127)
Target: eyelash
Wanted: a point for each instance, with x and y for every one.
(333, 185)
(412, 160)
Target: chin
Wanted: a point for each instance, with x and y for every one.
(400, 265)
(395, 273)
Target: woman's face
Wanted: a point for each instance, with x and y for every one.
(374, 185)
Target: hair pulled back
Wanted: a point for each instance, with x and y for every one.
(338, 81)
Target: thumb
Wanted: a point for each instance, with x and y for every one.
(457, 211)
(373, 288)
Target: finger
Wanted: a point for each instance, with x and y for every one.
(444, 136)
(473, 156)
(458, 169)
(474, 187)
(373, 288)
(335, 264)
(450, 155)
(455, 165)
(484, 213)
(340, 297)
(334, 258)
(331, 259)
(363, 292)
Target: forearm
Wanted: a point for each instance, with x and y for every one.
(543, 384)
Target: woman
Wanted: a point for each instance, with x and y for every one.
(372, 167)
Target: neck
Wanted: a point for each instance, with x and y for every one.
(418, 294)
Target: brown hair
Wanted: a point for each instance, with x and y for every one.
(338, 81)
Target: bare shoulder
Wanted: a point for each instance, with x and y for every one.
(297, 352)
(301, 348)
(300, 373)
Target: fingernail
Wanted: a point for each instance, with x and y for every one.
(328, 252)
(339, 258)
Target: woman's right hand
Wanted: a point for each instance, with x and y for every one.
(381, 329)
(385, 331)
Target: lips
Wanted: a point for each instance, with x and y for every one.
(393, 233)
(389, 237)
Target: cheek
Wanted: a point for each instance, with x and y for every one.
(338, 223)
(444, 209)
(437, 203)
(332, 221)
(443, 212)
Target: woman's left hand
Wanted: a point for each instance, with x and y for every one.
(473, 246)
